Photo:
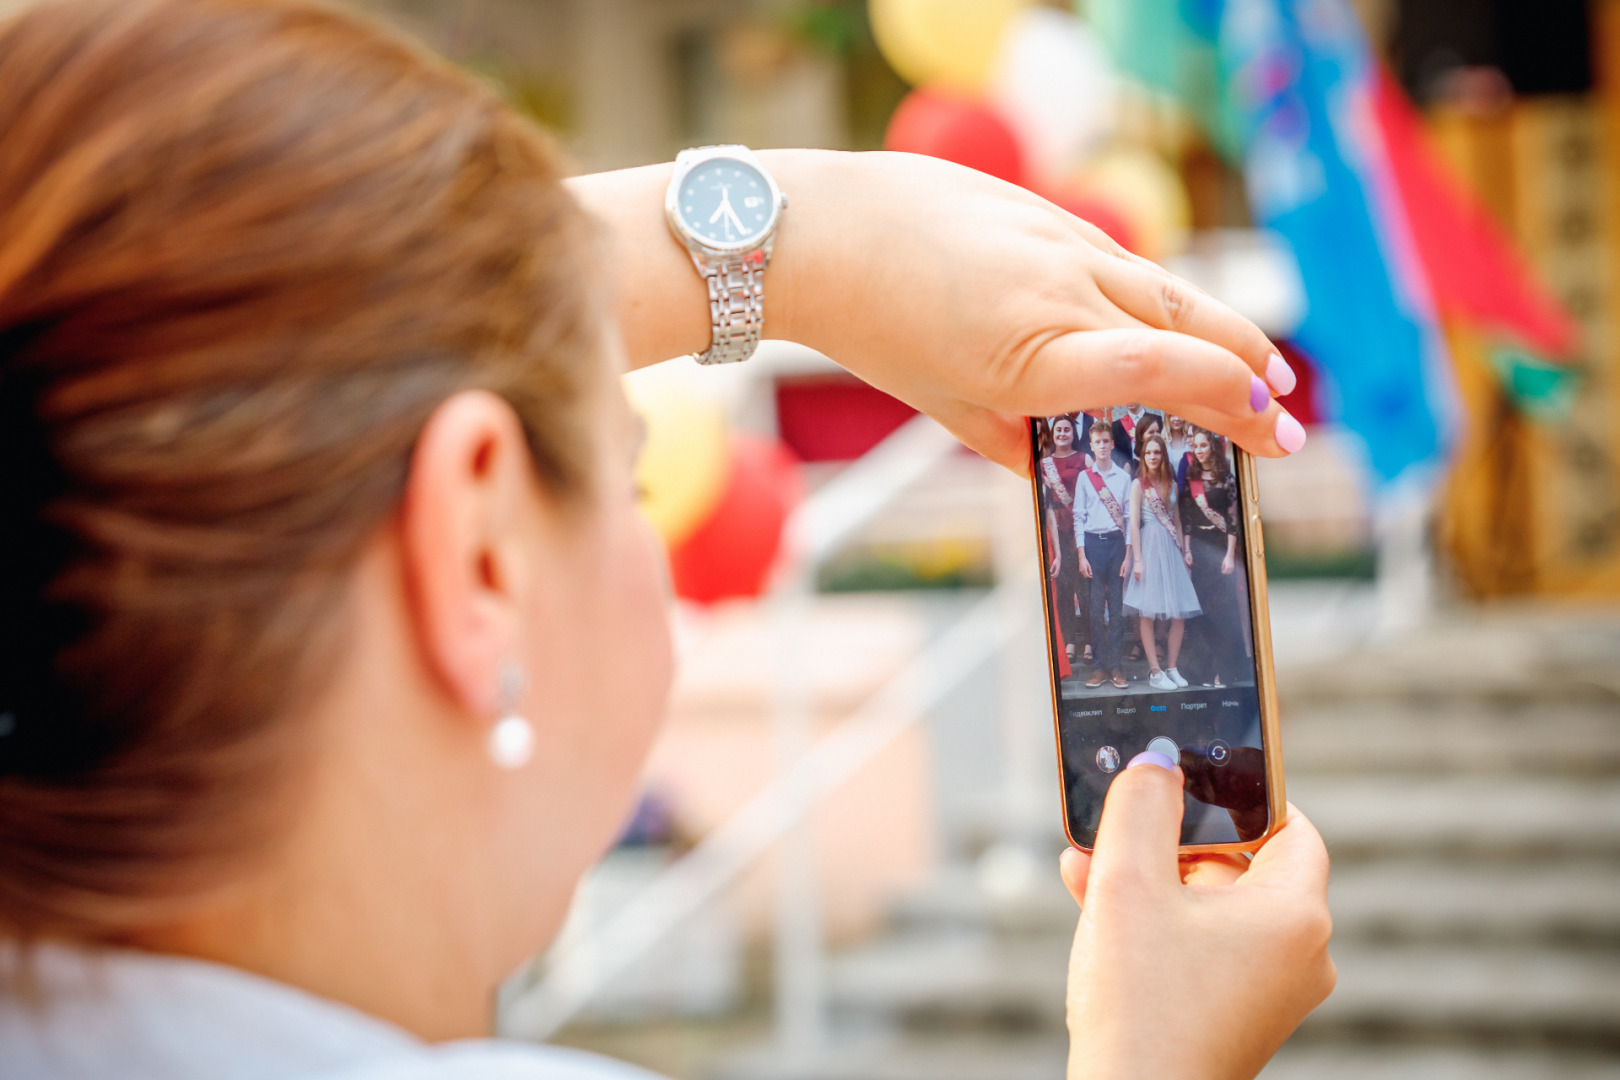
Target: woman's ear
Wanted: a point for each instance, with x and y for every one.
(467, 543)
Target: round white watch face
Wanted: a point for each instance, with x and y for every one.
(725, 201)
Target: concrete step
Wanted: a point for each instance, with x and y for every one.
(954, 981)
(1571, 996)
(1579, 738)
(1341, 1062)
(1410, 899)
(932, 1056)
(1362, 816)
(957, 901)
(1472, 656)
(904, 1056)
(1426, 989)
(1573, 902)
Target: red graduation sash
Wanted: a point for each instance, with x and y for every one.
(1110, 503)
(1197, 488)
(1055, 481)
(1155, 505)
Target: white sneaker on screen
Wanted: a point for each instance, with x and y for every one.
(1160, 681)
(1175, 676)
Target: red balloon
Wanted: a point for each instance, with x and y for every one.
(945, 126)
(732, 552)
(1100, 214)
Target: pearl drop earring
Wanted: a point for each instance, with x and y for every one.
(511, 740)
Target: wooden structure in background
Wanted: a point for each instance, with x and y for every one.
(1533, 507)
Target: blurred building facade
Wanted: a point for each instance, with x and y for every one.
(1524, 102)
(627, 82)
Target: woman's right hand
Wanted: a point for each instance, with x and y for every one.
(1194, 968)
(1138, 569)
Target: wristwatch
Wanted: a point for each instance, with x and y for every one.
(724, 207)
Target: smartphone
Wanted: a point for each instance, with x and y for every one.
(1154, 585)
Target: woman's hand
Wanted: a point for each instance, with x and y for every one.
(1186, 555)
(1199, 968)
(1138, 570)
(981, 303)
(1125, 564)
(1229, 563)
(1057, 561)
(972, 299)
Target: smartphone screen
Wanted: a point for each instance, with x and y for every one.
(1141, 521)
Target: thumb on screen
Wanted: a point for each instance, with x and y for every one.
(1140, 832)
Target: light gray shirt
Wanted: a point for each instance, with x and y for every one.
(1090, 514)
(103, 1014)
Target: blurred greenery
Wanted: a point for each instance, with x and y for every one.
(901, 567)
(842, 30)
(1356, 564)
(546, 99)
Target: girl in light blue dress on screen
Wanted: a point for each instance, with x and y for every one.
(1159, 586)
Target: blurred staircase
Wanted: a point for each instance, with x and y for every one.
(1468, 784)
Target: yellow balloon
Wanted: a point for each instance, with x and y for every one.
(1148, 192)
(951, 43)
(684, 460)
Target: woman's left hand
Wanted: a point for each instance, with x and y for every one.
(981, 303)
(1229, 564)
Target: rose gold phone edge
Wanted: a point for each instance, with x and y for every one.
(1264, 676)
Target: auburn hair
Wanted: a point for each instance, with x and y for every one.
(246, 248)
(1163, 479)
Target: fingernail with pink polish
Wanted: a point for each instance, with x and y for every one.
(1290, 433)
(1152, 757)
(1280, 375)
(1259, 394)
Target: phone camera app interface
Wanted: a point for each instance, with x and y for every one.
(1149, 615)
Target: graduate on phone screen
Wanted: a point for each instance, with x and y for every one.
(1159, 586)
(1101, 536)
(1209, 517)
(1060, 467)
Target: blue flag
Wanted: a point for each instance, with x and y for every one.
(1299, 78)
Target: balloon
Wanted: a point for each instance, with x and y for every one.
(942, 42)
(1101, 213)
(732, 552)
(945, 126)
(1148, 192)
(685, 453)
(1053, 83)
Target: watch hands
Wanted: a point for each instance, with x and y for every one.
(725, 209)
